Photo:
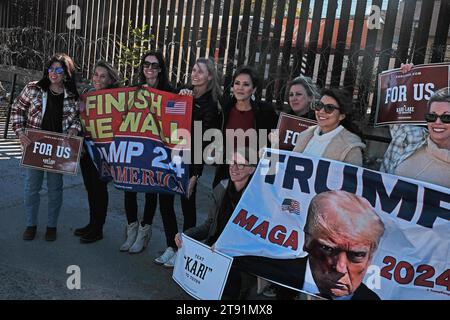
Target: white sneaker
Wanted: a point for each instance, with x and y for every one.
(171, 262)
(165, 256)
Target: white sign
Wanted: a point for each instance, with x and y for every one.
(265, 232)
(200, 271)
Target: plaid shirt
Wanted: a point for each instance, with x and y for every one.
(29, 107)
(405, 140)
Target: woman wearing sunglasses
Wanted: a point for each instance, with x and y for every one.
(51, 105)
(153, 74)
(431, 162)
(226, 196)
(329, 139)
(104, 76)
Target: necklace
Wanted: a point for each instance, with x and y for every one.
(56, 93)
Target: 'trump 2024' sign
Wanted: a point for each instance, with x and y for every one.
(138, 137)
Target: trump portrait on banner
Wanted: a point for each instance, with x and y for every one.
(342, 233)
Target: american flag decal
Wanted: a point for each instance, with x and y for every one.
(291, 205)
(176, 107)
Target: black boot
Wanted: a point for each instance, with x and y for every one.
(82, 231)
(30, 233)
(50, 235)
(93, 235)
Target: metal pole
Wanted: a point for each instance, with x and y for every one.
(8, 111)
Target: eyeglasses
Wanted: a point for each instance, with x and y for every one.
(329, 108)
(57, 70)
(241, 166)
(432, 117)
(151, 65)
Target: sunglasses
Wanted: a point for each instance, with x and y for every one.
(241, 166)
(329, 108)
(57, 70)
(432, 117)
(151, 65)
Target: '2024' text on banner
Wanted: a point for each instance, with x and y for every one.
(200, 271)
(265, 232)
(139, 137)
(53, 152)
(403, 97)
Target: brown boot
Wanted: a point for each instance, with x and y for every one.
(50, 235)
(30, 233)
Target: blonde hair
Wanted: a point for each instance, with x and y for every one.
(214, 84)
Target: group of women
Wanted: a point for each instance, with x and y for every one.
(52, 104)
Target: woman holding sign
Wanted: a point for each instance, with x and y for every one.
(105, 76)
(51, 105)
(329, 139)
(153, 74)
(206, 90)
(302, 97)
(226, 196)
(431, 162)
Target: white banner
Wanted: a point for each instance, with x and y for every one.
(200, 271)
(412, 258)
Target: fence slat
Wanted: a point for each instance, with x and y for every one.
(284, 69)
(155, 24)
(405, 32)
(353, 55)
(205, 29)
(423, 31)
(170, 37)
(214, 30)
(275, 49)
(193, 47)
(440, 38)
(341, 43)
(224, 30)
(366, 81)
(185, 46)
(264, 44)
(232, 46)
(314, 38)
(243, 32)
(177, 41)
(255, 33)
(300, 41)
(326, 43)
(162, 25)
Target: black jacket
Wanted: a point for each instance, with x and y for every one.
(206, 110)
(290, 272)
(265, 117)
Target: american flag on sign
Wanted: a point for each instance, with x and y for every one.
(291, 205)
(176, 107)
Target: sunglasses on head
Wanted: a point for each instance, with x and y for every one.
(432, 117)
(57, 70)
(151, 65)
(329, 108)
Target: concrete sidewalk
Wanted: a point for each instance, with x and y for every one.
(37, 269)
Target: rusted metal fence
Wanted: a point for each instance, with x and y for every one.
(335, 42)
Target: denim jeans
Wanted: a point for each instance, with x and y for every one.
(33, 184)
